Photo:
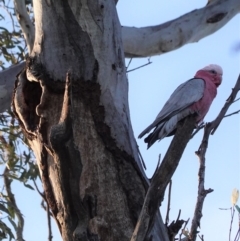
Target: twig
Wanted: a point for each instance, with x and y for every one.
(47, 209)
(185, 225)
(12, 202)
(157, 167)
(43, 197)
(237, 235)
(141, 66)
(198, 129)
(141, 158)
(229, 101)
(161, 178)
(236, 100)
(225, 208)
(233, 113)
(40, 193)
(210, 128)
(169, 202)
(49, 223)
(129, 63)
(232, 216)
(179, 214)
(201, 237)
(174, 227)
(202, 192)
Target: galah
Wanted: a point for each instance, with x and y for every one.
(193, 96)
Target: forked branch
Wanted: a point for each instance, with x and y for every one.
(161, 178)
(210, 128)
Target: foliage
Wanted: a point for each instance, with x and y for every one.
(16, 163)
(16, 159)
(12, 43)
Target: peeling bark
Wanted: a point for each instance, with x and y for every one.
(72, 103)
(145, 41)
(73, 107)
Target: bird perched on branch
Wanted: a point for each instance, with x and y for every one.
(193, 96)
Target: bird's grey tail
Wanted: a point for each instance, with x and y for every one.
(149, 128)
(144, 132)
(152, 138)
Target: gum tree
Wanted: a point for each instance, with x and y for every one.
(71, 100)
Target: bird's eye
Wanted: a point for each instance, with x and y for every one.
(213, 71)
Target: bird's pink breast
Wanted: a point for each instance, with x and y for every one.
(202, 106)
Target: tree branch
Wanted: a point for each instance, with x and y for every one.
(233, 113)
(151, 40)
(7, 80)
(169, 202)
(202, 192)
(161, 178)
(25, 23)
(229, 101)
(189, 28)
(210, 128)
(12, 202)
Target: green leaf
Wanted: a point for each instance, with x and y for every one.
(5, 52)
(6, 230)
(4, 209)
(28, 186)
(3, 28)
(11, 211)
(13, 223)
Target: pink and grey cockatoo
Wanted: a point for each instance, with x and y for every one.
(193, 96)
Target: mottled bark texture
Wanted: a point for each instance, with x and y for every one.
(72, 103)
(137, 42)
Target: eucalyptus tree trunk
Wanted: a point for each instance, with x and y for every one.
(72, 102)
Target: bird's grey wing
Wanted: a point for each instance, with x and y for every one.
(186, 94)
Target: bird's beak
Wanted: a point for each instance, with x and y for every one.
(218, 80)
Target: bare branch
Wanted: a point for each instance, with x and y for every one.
(229, 101)
(210, 128)
(49, 215)
(149, 62)
(12, 202)
(236, 100)
(198, 129)
(201, 237)
(141, 158)
(174, 227)
(129, 63)
(225, 209)
(232, 215)
(183, 230)
(233, 113)
(49, 223)
(237, 235)
(202, 192)
(161, 178)
(152, 40)
(39, 192)
(169, 202)
(25, 23)
(189, 28)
